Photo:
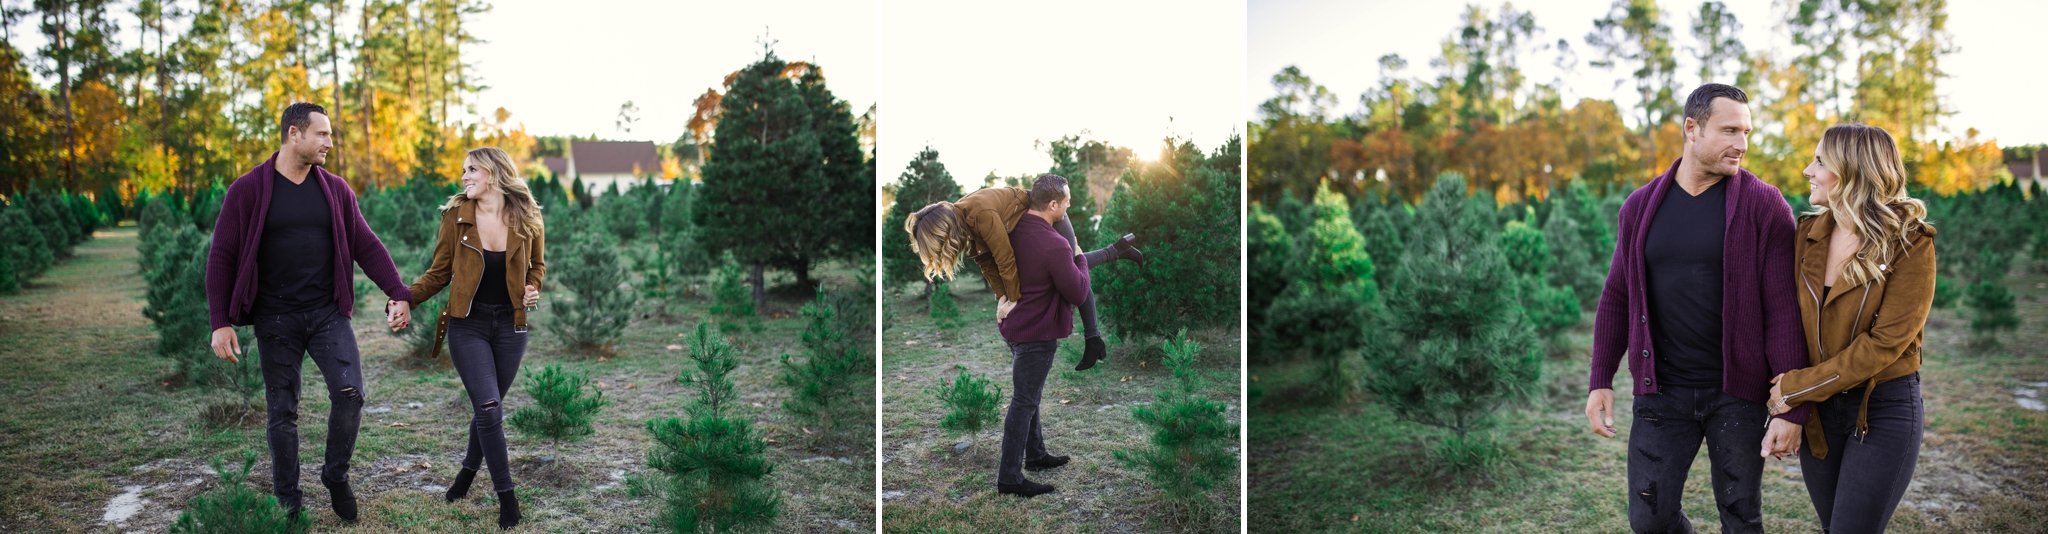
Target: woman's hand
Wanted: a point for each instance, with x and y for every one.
(1777, 401)
(532, 297)
(398, 314)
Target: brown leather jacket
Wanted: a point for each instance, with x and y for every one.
(992, 213)
(1861, 335)
(459, 265)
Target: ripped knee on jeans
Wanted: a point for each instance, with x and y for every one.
(488, 405)
(350, 393)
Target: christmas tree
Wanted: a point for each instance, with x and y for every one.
(1324, 312)
(972, 403)
(236, 508)
(1185, 210)
(923, 182)
(1190, 449)
(713, 467)
(561, 410)
(827, 386)
(586, 264)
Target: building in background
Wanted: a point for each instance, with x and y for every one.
(602, 163)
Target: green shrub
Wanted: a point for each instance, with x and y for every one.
(712, 466)
(945, 311)
(598, 305)
(1190, 448)
(236, 508)
(972, 403)
(827, 386)
(561, 410)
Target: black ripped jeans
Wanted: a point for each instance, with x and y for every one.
(1023, 437)
(1858, 486)
(1089, 327)
(485, 349)
(1669, 427)
(285, 340)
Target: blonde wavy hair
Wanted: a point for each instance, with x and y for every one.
(1869, 197)
(938, 235)
(520, 210)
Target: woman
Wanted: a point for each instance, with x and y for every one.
(982, 221)
(1866, 268)
(490, 247)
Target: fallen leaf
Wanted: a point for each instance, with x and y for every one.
(1354, 518)
(631, 386)
(806, 430)
(400, 425)
(1065, 401)
(1255, 378)
(675, 347)
(426, 465)
(939, 345)
(602, 385)
(1141, 363)
(911, 342)
(401, 470)
(901, 377)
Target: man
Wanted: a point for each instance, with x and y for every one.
(284, 253)
(1052, 278)
(1700, 301)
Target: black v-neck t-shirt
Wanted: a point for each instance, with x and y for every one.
(295, 260)
(1682, 260)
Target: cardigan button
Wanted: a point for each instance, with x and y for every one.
(1646, 381)
(1646, 353)
(1646, 319)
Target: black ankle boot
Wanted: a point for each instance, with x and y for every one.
(1126, 250)
(344, 500)
(1026, 489)
(508, 509)
(460, 488)
(1093, 350)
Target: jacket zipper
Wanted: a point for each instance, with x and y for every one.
(1803, 391)
(479, 279)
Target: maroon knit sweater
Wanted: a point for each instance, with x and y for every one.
(1051, 279)
(231, 263)
(1761, 334)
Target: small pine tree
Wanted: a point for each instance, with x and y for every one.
(945, 311)
(1551, 310)
(972, 403)
(687, 257)
(598, 304)
(1190, 449)
(731, 301)
(1324, 313)
(713, 466)
(826, 386)
(236, 508)
(923, 182)
(622, 214)
(561, 410)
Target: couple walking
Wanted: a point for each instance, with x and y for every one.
(1025, 245)
(284, 254)
(1745, 327)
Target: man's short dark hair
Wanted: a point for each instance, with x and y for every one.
(1700, 105)
(1047, 189)
(299, 115)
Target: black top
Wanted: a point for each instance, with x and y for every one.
(1682, 260)
(295, 260)
(491, 289)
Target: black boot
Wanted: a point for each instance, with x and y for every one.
(1048, 462)
(508, 509)
(1126, 250)
(1027, 489)
(460, 488)
(1093, 350)
(344, 501)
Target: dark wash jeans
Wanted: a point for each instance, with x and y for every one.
(285, 341)
(486, 349)
(1859, 485)
(1023, 437)
(1665, 438)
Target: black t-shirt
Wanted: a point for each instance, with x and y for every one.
(491, 288)
(1682, 258)
(295, 261)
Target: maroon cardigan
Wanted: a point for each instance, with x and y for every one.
(1051, 279)
(231, 263)
(1761, 335)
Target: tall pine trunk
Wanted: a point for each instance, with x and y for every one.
(760, 287)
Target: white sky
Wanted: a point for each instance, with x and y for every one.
(980, 82)
(1337, 43)
(565, 71)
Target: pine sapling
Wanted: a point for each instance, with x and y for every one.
(972, 403)
(944, 310)
(825, 385)
(1189, 451)
(236, 508)
(561, 410)
(713, 467)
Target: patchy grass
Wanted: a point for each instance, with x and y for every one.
(930, 486)
(91, 415)
(1353, 468)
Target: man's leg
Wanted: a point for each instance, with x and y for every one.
(1734, 435)
(1662, 442)
(332, 346)
(1029, 364)
(282, 348)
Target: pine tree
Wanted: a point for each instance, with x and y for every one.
(713, 466)
(1452, 345)
(679, 234)
(1185, 209)
(945, 311)
(1325, 310)
(923, 182)
(236, 508)
(1190, 449)
(28, 253)
(587, 265)
(561, 410)
(1267, 249)
(1550, 310)
(827, 385)
(622, 214)
(972, 403)
(729, 298)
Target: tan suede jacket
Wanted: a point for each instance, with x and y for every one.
(992, 213)
(1861, 335)
(459, 266)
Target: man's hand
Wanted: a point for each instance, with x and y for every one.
(226, 345)
(398, 314)
(1782, 439)
(1600, 412)
(1003, 307)
(1776, 404)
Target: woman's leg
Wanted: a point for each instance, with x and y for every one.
(470, 349)
(1877, 468)
(508, 348)
(1089, 328)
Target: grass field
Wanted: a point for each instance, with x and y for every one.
(93, 436)
(1353, 468)
(929, 485)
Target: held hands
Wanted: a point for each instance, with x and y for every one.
(1782, 440)
(1600, 412)
(398, 314)
(226, 345)
(1776, 404)
(532, 297)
